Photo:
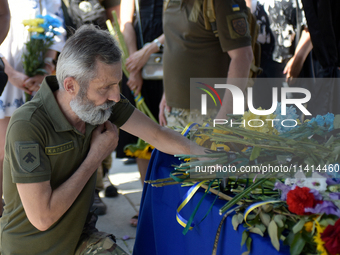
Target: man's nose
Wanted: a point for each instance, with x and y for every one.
(114, 95)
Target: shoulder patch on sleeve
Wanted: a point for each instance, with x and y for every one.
(28, 155)
(240, 25)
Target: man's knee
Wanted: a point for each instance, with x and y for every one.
(99, 243)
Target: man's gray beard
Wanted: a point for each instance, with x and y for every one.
(89, 113)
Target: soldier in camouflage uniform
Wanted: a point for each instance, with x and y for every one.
(194, 48)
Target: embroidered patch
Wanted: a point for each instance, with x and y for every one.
(28, 154)
(55, 150)
(240, 26)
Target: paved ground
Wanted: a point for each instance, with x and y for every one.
(120, 209)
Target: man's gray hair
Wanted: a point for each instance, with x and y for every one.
(81, 52)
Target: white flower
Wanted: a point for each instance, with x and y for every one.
(299, 180)
(317, 181)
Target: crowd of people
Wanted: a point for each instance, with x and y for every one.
(52, 146)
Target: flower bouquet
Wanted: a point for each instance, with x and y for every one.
(42, 30)
(283, 182)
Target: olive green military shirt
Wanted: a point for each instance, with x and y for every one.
(192, 51)
(41, 145)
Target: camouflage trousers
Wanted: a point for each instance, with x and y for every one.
(93, 241)
(179, 118)
(99, 243)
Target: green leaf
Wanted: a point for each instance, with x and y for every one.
(297, 245)
(267, 207)
(248, 243)
(234, 221)
(279, 220)
(255, 153)
(265, 218)
(240, 218)
(289, 239)
(336, 121)
(261, 227)
(272, 231)
(245, 235)
(298, 226)
(256, 231)
(326, 222)
(245, 253)
(250, 217)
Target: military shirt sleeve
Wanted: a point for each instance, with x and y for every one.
(232, 24)
(121, 111)
(25, 154)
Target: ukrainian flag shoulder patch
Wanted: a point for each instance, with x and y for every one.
(235, 7)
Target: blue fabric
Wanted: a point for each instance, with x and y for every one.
(158, 232)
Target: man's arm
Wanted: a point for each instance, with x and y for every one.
(127, 8)
(164, 139)
(44, 206)
(239, 68)
(16, 78)
(295, 64)
(5, 17)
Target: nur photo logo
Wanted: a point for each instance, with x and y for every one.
(239, 103)
(204, 97)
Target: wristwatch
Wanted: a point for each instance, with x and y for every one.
(159, 45)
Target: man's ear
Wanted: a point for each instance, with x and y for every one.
(71, 86)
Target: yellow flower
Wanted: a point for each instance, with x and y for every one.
(36, 29)
(33, 22)
(317, 239)
(244, 149)
(309, 226)
(143, 154)
(259, 122)
(201, 139)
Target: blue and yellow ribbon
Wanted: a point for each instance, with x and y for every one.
(139, 99)
(186, 198)
(188, 127)
(256, 205)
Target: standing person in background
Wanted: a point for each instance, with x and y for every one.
(5, 18)
(77, 13)
(322, 37)
(151, 90)
(193, 51)
(12, 49)
(280, 23)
